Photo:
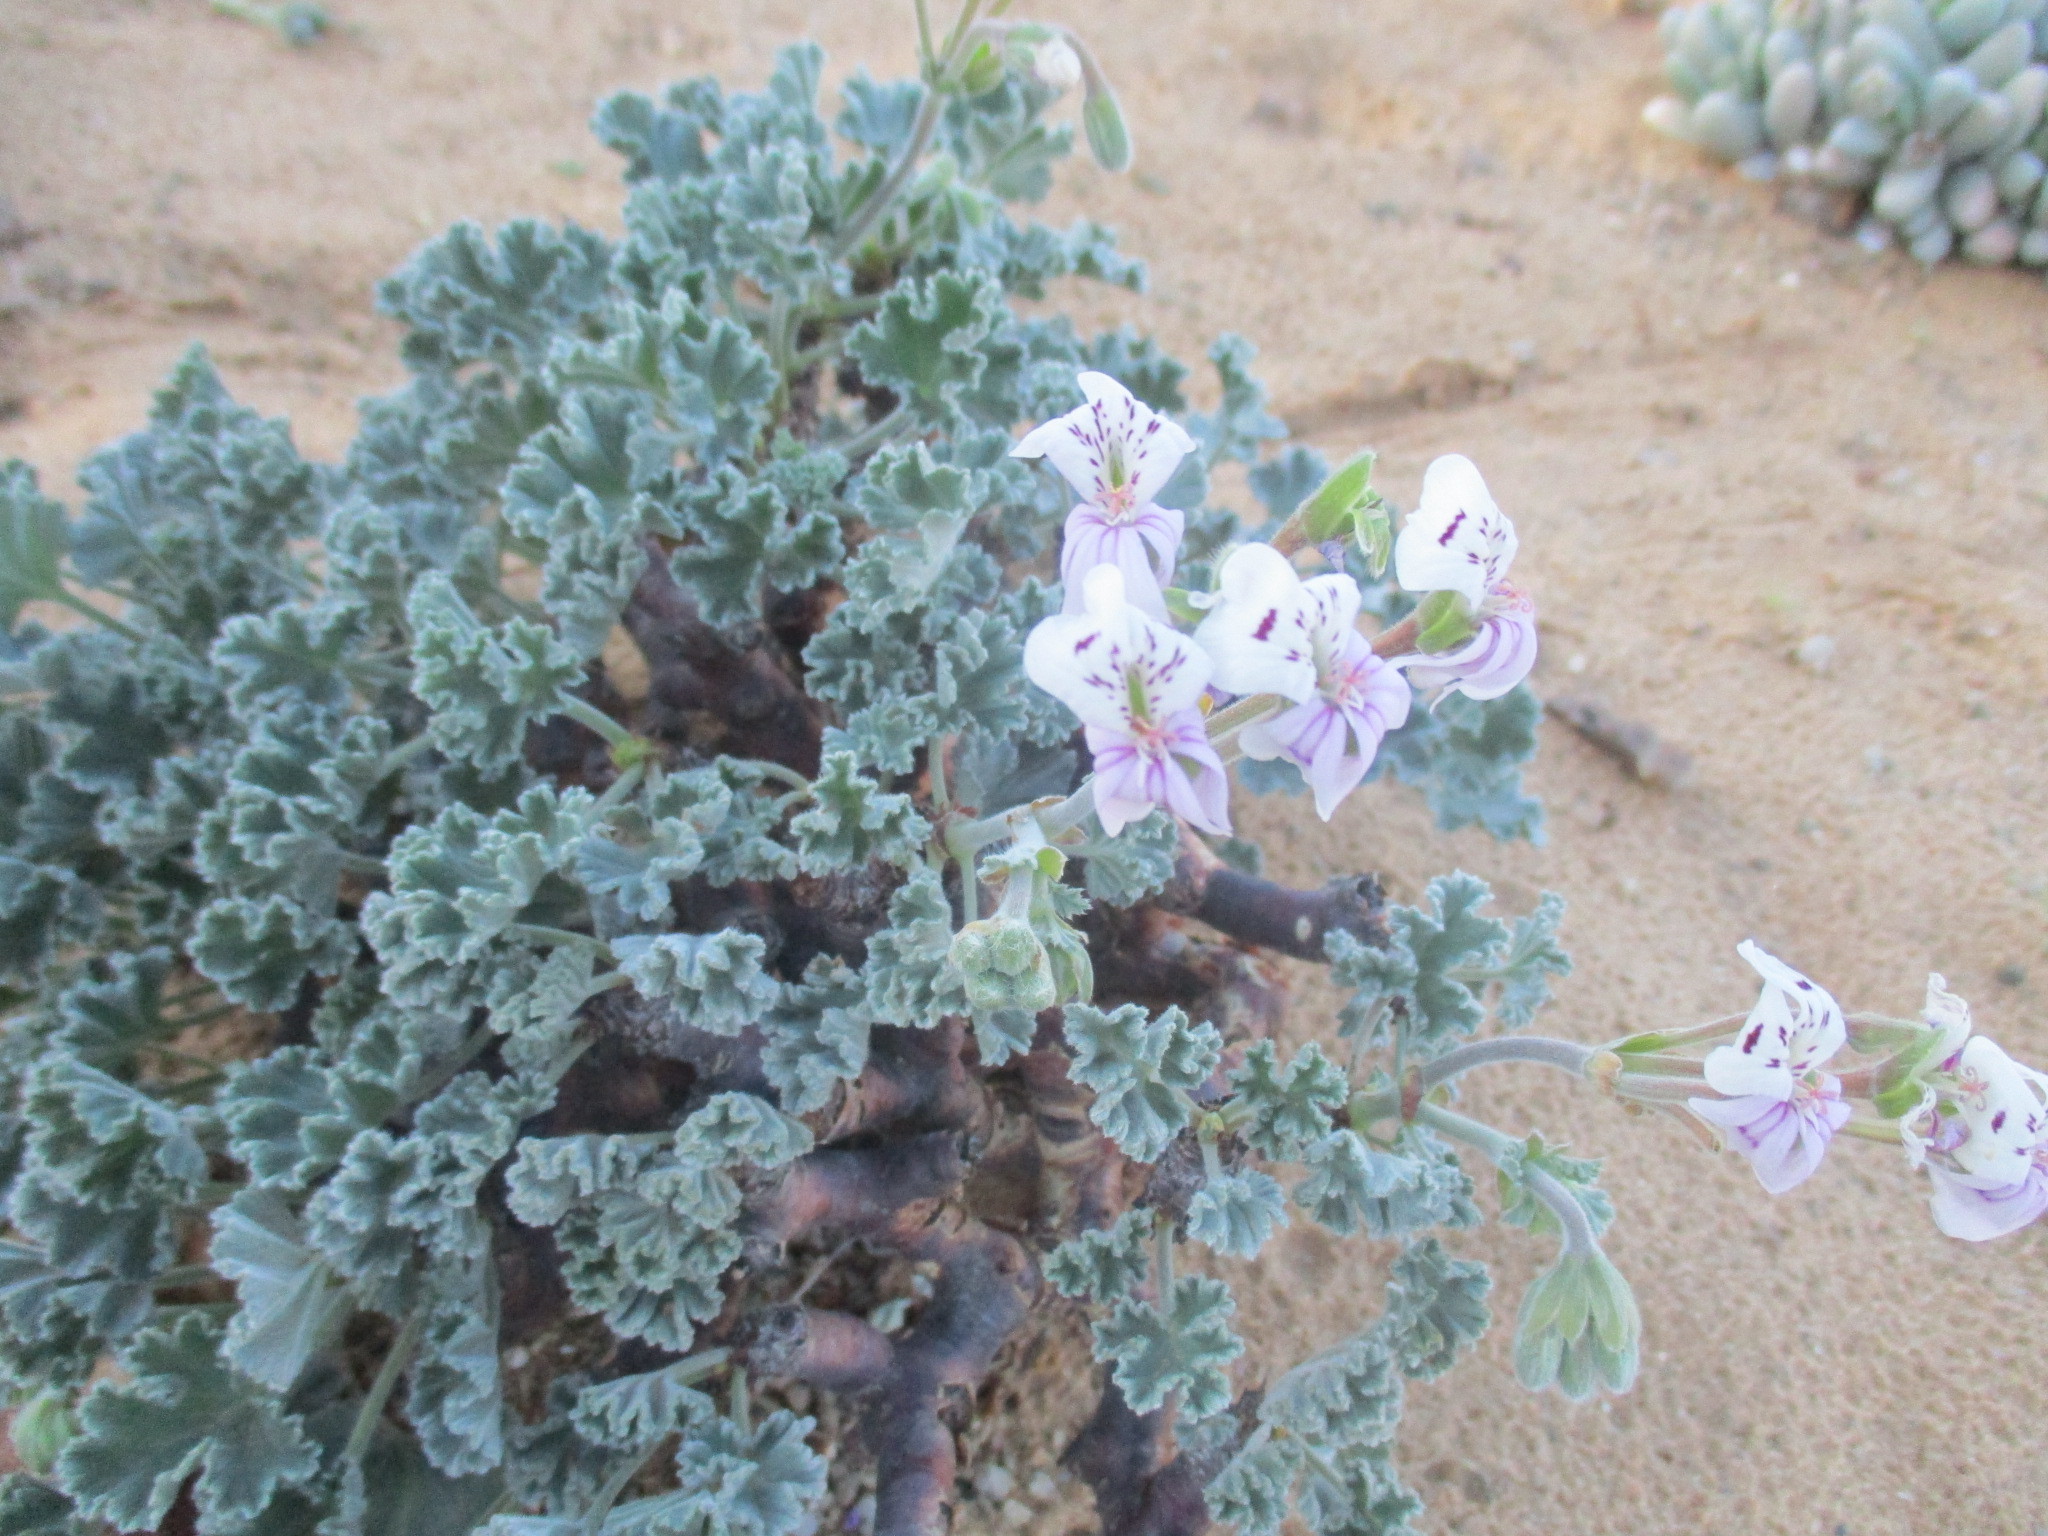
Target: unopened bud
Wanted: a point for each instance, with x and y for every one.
(1003, 965)
(1055, 64)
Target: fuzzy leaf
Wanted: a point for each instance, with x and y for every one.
(1141, 1070)
(258, 952)
(748, 538)
(292, 1302)
(740, 1128)
(1349, 1395)
(634, 1412)
(816, 1036)
(714, 980)
(759, 1482)
(1242, 422)
(851, 821)
(454, 1398)
(1235, 1213)
(909, 980)
(1184, 1349)
(485, 686)
(466, 299)
(288, 654)
(1467, 757)
(1437, 947)
(34, 539)
(1105, 1265)
(1125, 869)
(182, 1410)
(1290, 1108)
(1348, 1178)
(1250, 1493)
(1436, 1308)
(924, 342)
(1533, 957)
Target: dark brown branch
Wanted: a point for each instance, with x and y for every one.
(985, 1285)
(833, 1350)
(1255, 911)
(1147, 955)
(854, 1192)
(707, 689)
(1121, 1456)
(915, 1080)
(1082, 1180)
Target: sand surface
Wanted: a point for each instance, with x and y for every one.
(1721, 433)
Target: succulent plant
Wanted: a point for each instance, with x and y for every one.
(1932, 112)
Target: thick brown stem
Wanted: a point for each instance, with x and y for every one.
(986, 1283)
(915, 1080)
(705, 690)
(1119, 1453)
(854, 1192)
(833, 1350)
(1147, 955)
(1255, 911)
(1082, 1182)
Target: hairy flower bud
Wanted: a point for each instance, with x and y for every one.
(1055, 64)
(1003, 965)
(1578, 1328)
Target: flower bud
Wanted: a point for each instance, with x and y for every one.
(42, 1428)
(1003, 965)
(1055, 64)
(1578, 1328)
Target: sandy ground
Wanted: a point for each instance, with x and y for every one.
(1721, 434)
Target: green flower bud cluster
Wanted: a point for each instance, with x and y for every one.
(1578, 1327)
(1932, 109)
(1003, 966)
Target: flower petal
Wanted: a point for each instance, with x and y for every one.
(1113, 446)
(1092, 540)
(1257, 634)
(1151, 446)
(1456, 539)
(1794, 1027)
(2001, 1103)
(1497, 658)
(1784, 1141)
(1109, 660)
(1949, 1014)
(1977, 1214)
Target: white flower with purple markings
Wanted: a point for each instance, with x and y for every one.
(1986, 1144)
(1117, 453)
(1458, 540)
(1781, 1109)
(1272, 632)
(1137, 686)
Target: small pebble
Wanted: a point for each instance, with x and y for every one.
(2011, 975)
(1017, 1513)
(994, 1483)
(1816, 653)
(1042, 1487)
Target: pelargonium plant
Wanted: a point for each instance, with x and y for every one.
(587, 969)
